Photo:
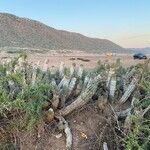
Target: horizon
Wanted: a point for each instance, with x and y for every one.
(124, 23)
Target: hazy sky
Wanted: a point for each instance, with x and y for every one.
(126, 22)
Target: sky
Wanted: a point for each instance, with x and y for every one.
(125, 22)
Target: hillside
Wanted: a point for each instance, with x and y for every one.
(145, 50)
(26, 33)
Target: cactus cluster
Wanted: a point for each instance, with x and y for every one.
(42, 93)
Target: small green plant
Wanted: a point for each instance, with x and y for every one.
(139, 137)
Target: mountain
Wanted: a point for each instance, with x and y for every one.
(145, 50)
(19, 32)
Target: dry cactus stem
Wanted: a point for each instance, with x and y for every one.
(80, 71)
(129, 90)
(112, 87)
(127, 77)
(83, 98)
(61, 69)
(105, 147)
(63, 125)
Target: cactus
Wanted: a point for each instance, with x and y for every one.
(129, 90)
(45, 66)
(126, 78)
(42, 92)
(64, 82)
(80, 71)
(72, 85)
(72, 69)
(61, 69)
(83, 98)
(110, 73)
(112, 87)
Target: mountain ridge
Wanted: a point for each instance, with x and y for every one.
(23, 32)
(145, 50)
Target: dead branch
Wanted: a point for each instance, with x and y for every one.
(116, 116)
(67, 131)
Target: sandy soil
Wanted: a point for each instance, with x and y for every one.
(89, 126)
(88, 60)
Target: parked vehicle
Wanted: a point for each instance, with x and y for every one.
(139, 56)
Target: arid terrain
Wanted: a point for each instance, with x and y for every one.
(88, 60)
(27, 33)
(92, 124)
(74, 75)
(44, 42)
